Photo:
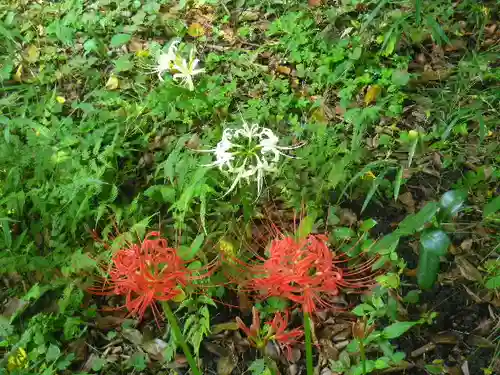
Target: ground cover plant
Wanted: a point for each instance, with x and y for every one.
(249, 187)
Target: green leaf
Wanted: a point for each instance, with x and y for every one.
(390, 280)
(123, 63)
(367, 225)
(418, 11)
(451, 202)
(416, 222)
(412, 296)
(397, 182)
(433, 244)
(491, 207)
(411, 153)
(343, 233)
(188, 253)
(362, 309)
(493, 283)
(397, 329)
(53, 352)
(373, 189)
(386, 245)
(119, 40)
(400, 77)
(306, 226)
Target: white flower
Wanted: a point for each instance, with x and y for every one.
(185, 71)
(181, 69)
(166, 59)
(248, 152)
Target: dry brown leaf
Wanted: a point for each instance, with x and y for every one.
(408, 201)
(468, 270)
(283, 70)
(315, 3)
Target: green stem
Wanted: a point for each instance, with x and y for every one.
(180, 338)
(362, 353)
(309, 356)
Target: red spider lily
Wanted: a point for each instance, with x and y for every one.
(276, 331)
(285, 339)
(305, 271)
(146, 273)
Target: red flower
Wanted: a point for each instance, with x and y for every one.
(304, 271)
(146, 273)
(276, 331)
(285, 339)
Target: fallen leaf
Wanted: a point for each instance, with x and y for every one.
(466, 245)
(315, 3)
(196, 30)
(228, 326)
(283, 70)
(445, 338)
(468, 270)
(112, 83)
(32, 54)
(226, 365)
(408, 201)
(372, 94)
(132, 335)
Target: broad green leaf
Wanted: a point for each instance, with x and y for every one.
(493, 283)
(343, 233)
(390, 280)
(367, 225)
(386, 245)
(433, 244)
(53, 352)
(119, 40)
(362, 309)
(189, 252)
(491, 207)
(412, 296)
(400, 77)
(451, 202)
(397, 329)
(416, 222)
(306, 226)
(98, 363)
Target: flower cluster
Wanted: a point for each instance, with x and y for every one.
(305, 271)
(146, 273)
(181, 69)
(248, 152)
(275, 330)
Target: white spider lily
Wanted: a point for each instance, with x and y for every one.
(248, 152)
(181, 69)
(166, 59)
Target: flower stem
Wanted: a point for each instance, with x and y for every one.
(180, 338)
(362, 354)
(307, 331)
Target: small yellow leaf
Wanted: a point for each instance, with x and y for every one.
(179, 297)
(142, 53)
(19, 73)
(18, 360)
(112, 83)
(32, 54)
(60, 99)
(196, 30)
(372, 94)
